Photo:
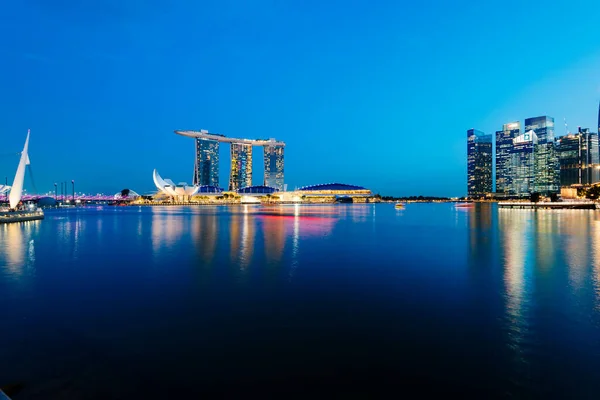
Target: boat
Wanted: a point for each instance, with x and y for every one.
(399, 206)
(464, 205)
(17, 211)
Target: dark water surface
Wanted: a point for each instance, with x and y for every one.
(126, 302)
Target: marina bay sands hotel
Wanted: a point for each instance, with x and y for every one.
(206, 164)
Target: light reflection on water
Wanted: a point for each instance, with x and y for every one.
(522, 286)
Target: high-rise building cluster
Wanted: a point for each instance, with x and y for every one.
(206, 163)
(531, 160)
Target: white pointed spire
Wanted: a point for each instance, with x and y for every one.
(17, 187)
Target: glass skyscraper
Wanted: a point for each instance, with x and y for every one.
(504, 145)
(206, 171)
(547, 168)
(273, 159)
(522, 164)
(479, 163)
(578, 156)
(241, 166)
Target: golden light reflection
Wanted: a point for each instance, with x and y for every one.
(235, 238)
(516, 231)
(205, 234)
(274, 234)
(167, 229)
(295, 247)
(595, 250)
(17, 247)
(575, 228)
(248, 234)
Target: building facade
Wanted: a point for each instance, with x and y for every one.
(504, 145)
(273, 159)
(206, 171)
(206, 164)
(578, 156)
(241, 166)
(522, 165)
(479, 163)
(547, 168)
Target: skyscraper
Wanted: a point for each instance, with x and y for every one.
(206, 171)
(547, 168)
(504, 145)
(522, 164)
(578, 157)
(479, 163)
(241, 166)
(273, 159)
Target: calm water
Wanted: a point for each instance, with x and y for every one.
(120, 301)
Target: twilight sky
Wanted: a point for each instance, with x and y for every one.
(374, 93)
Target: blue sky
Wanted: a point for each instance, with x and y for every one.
(378, 94)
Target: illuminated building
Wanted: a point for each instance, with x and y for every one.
(180, 192)
(578, 158)
(334, 189)
(206, 171)
(504, 145)
(522, 164)
(547, 169)
(241, 166)
(273, 159)
(479, 163)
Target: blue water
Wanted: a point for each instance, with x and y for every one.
(128, 302)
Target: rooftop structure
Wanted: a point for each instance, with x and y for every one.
(204, 134)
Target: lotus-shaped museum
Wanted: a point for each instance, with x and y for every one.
(171, 189)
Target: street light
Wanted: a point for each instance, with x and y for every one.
(73, 183)
(55, 192)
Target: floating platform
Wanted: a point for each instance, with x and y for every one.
(559, 205)
(20, 216)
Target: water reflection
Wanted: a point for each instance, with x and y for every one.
(253, 235)
(17, 250)
(595, 252)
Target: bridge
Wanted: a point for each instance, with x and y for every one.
(80, 197)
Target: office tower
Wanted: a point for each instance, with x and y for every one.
(578, 158)
(479, 163)
(273, 158)
(522, 164)
(547, 168)
(241, 166)
(504, 145)
(206, 171)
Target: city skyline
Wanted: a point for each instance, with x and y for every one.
(99, 89)
(532, 160)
